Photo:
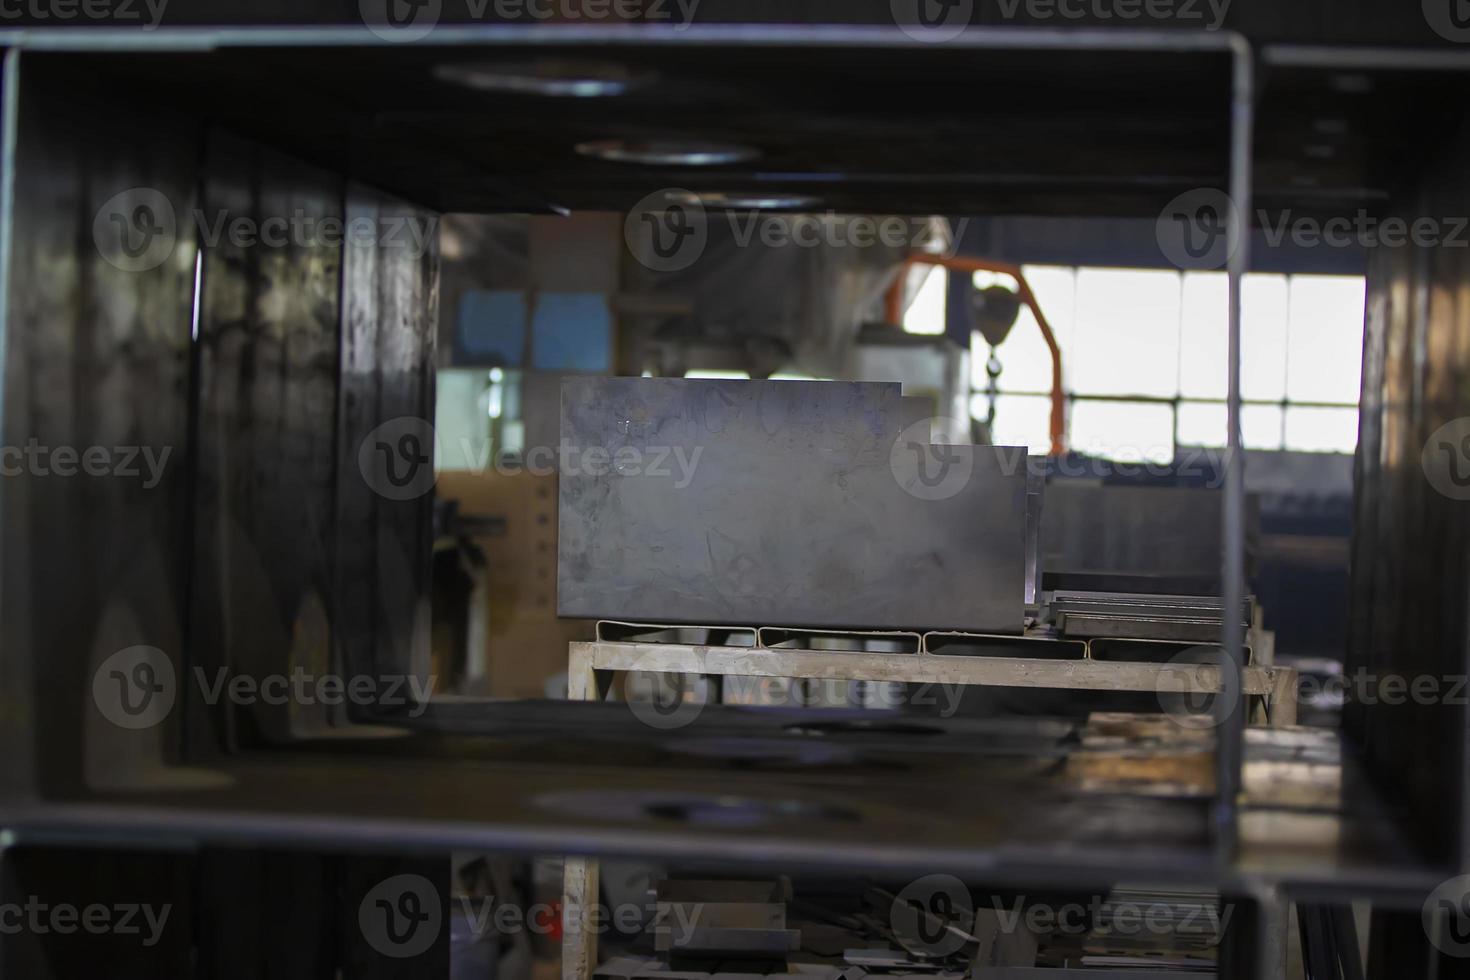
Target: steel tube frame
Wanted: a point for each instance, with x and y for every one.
(17, 776)
(1230, 733)
(1241, 115)
(804, 36)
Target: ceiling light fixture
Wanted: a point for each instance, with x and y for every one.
(743, 200)
(668, 152)
(552, 77)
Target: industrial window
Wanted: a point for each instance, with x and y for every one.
(1143, 353)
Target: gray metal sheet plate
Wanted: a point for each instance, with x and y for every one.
(780, 503)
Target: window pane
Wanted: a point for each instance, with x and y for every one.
(1260, 426)
(926, 313)
(1205, 339)
(1322, 430)
(1326, 339)
(462, 418)
(1020, 420)
(1205, 344)
(1024, 356)
(1127, 335)
(1264, 301)
(1126, 431)
(1201, 425)
(1205, 425)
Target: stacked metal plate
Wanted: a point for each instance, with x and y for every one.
(782, 503)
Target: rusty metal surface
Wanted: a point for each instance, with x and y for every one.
(789, 512)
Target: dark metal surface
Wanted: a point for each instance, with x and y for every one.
(1002, 801)
(1159, 142)
(826, 123)
(1035, 498)
(222, 914)
(228, 559)
(95, 356)
(303, 351)
(264, 512)
(1346, 22)
(1411, 542)
(1164, 533)
(1230, 712)
(386, 365)
(1141, 616)
(665, 415)
(791, 512)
